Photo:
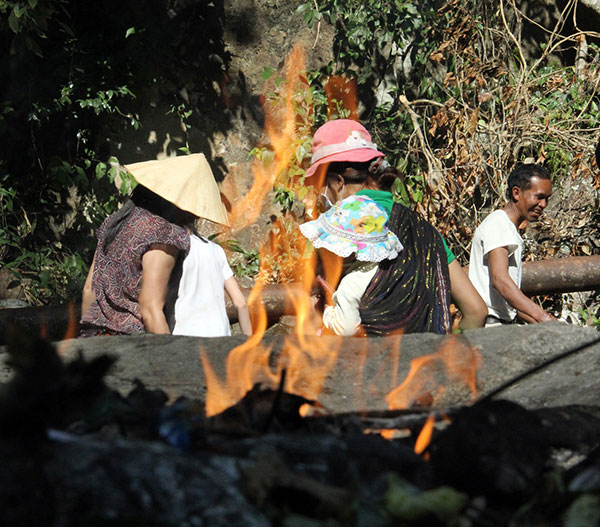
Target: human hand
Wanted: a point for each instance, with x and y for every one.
(547, 317)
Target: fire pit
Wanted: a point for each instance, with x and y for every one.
(75, 451)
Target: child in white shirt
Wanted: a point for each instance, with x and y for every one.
(354, 228)
(200, 306)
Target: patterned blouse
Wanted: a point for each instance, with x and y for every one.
(117, 275)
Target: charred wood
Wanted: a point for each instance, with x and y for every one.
(109, 459)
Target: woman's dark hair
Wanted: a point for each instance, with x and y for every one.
(383, 173)
(378, 170)
(522, 174)
(146, 199)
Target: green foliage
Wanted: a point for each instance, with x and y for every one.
(246, 263)
(289, 97)
(409, 504)
(285, 197)
(56, 188)
(72, 82)
(296, 90)
(589, 319)
(373, 39)
(455, 100)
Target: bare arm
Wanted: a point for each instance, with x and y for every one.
(503, 283)
(471, 305)
(88, 295)
(240, 303)
(157, 265)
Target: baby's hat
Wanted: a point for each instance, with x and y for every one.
(354, 225)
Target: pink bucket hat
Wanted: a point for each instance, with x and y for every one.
(342, 140)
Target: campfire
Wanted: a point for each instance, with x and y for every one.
(262, 448)
(75, 452)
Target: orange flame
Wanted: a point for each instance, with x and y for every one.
(341, 92)
(332, 268)
(421, 386)
(63, 347)
(425, 436)
(388, 434)
(307, 360)
(246, 211)
(247, 363)
(71, 331)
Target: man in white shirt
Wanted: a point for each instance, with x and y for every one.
(495, 263)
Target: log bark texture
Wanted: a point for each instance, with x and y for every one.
(366, 370)
(563, 275)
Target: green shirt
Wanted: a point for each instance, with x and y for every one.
(385, 200)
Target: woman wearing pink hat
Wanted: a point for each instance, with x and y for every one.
(410, 294)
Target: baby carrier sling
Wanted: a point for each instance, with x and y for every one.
(410, 294)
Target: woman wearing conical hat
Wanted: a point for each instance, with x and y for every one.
(138, 246)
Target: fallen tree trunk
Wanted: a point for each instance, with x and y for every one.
(563, 275)
(366, 370)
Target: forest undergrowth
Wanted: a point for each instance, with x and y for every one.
(456, 96)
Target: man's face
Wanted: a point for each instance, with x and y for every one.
(532, 201)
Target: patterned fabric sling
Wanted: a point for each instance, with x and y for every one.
(410, 294)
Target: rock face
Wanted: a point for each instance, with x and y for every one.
(223, 93)
(366, 370)
(592, 4)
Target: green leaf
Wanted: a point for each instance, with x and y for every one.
(112, 174)
(129, 32)
(100, 170)
(18, 10)
(13, 23)
(44, 277)
(80, 172)
(33, 3)
(584, 511)
(267, 73)
(410, 504)
(32, 46)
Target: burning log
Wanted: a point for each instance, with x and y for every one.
(109, 458)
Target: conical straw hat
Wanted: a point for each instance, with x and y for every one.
(185, 181)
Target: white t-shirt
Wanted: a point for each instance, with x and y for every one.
(200, 306)
(496, 230)
(343, 318)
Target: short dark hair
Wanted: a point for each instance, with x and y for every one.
(383, 174)
(522, 174)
